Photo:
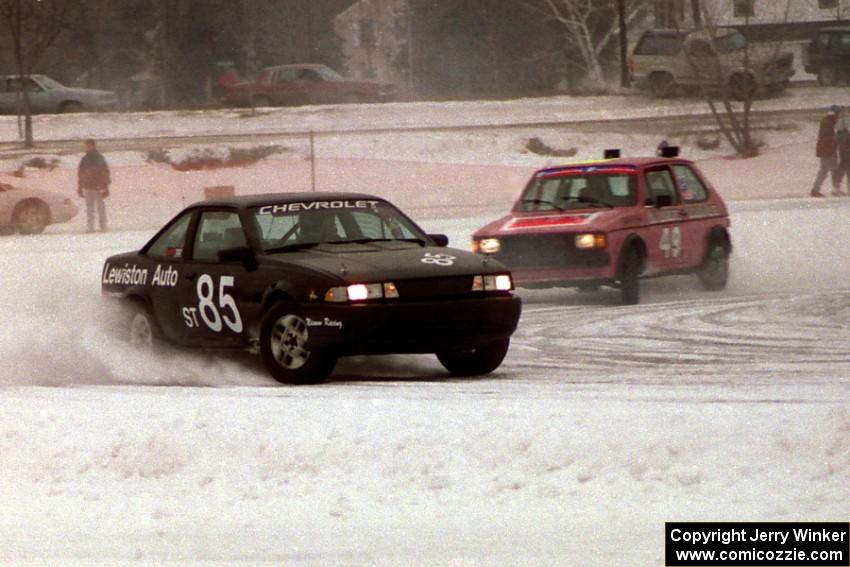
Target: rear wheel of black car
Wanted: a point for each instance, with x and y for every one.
(629, 276)
(143, 331)
(714, 272)
(475, 361)
(283, 346)
(827, 76)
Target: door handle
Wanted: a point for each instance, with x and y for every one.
(190, 275)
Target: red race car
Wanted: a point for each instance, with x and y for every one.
(612, 222)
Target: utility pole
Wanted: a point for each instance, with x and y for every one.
(625, 78)
(411, 81)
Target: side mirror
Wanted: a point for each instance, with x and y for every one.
(440, 240)
(241, 254)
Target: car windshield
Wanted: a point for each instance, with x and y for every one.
(730, 42)
(48, 83)
(579, 190)
(298, 225)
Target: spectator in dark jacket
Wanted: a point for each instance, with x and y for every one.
(827, 150)
(93, 184)
(842, 137)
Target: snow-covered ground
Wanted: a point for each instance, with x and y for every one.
(603, 423)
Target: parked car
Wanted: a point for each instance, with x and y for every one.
(30, 211)
(710, 58)
(610, 223)
(304, 84)
(48, 96)
(305, 278)
(828, 55)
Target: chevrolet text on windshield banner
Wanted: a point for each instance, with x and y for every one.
(757, 544)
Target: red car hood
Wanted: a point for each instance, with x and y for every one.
(547, 222)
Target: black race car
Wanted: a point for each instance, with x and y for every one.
(308, 277)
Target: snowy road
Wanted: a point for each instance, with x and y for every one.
(604, 422)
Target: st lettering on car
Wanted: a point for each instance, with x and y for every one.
(214, 295)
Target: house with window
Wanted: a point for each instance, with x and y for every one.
(374, 36)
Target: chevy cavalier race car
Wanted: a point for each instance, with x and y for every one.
(308, 277)
(612, 222)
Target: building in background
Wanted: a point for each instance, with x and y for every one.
(375, 36)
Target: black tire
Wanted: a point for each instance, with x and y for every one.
(661, 85)
(477, 361)
(70, 106)
(629, 276)
(827, 76)
(261, 100)
(742, 86)
(31, 217)
(714, 272)
(283, 340)
(142, 330)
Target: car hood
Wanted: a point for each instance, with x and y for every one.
(388, 261)
(549, 221)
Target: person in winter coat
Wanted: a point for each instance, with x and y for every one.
(93, 182)
(827, 150)
(842, 137)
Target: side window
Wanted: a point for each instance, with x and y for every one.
(660, 182)
(169, 245)
(844, 42)
(690, 186)
(217, 230)
(823, 41)
(284, 75)
(700, 48)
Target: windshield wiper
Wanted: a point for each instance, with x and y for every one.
(369, 240)
(542, 202)
(293, 247)
(590, 200)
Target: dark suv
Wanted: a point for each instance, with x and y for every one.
(828, 55)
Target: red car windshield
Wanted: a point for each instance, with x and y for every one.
(579, 189)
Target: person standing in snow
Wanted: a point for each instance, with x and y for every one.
(842, 137)
(93, 182)
(827, 150)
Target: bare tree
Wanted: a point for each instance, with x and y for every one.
(33, 26)
(589, 27)
(730, 87)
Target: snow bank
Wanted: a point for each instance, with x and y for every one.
(113, 476)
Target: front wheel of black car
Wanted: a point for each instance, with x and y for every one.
(283, 346)
(476, 361)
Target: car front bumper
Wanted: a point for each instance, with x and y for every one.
(418, 327)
